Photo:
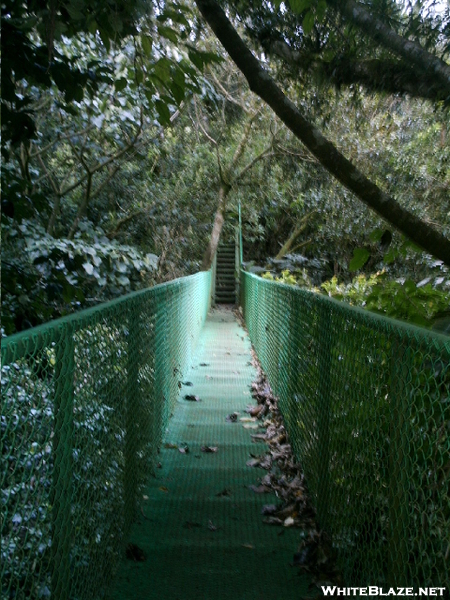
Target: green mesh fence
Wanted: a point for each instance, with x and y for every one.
(366, 401)
(85, 402)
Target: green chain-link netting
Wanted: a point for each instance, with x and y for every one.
(85, 401)
(367, 405)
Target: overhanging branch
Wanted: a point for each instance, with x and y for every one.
(410, 50)
(375, 74)
(328, 155)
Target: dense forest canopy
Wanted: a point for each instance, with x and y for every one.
(129, 136)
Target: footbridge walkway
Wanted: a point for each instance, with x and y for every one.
(105, 496)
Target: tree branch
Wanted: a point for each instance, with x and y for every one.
(298, 229)
(244, 139)
(264, 154)
(265, 87)
(124, 220)
(376, 75)
(410, 50)
(82, 207)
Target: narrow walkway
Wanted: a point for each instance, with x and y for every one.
(203, 536)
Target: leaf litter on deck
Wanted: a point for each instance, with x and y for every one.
(285, 479)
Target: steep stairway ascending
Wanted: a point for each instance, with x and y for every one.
(225, 274)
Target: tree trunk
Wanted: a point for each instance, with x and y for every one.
(225, 187)
(262, 84)
(217, 228)
(54, 215)
(82, 208)
(298, 229)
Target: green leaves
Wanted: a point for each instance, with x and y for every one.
(57, 276)
(315, 11)
(163, 112)
(147, 44)
(417, 304)
(360, 257)
(121, 84)
(200, 58)
(308, 22)
(408, 301)
(298, 6)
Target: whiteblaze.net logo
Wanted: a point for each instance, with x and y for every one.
(373, 590)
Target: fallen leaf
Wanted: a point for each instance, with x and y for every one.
(267, 479)
(269, 509)
(225, 492)
(253, 462)
(192, 398)
(247, 419)
(289, 522)
(211, 526)
(209, 448)
(250, 426)
(162, 488)
(135, 553)
(171, 446)
(272, 521)
(249, 546)
(232, 417)
(305, 556)
(260, 489)
(190, 525)
(287, 511)
(145, 497)
(184, 450)
(266, 462)
(255, 410)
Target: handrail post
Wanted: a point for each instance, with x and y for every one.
(236, 264)
(241, 250)
(62, 446)
(213, 280)
(132, 403)
(324, 327)
(399, 470)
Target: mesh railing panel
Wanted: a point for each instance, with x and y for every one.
(85, 402)
(366, 402)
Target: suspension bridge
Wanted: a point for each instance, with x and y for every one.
(123, 478)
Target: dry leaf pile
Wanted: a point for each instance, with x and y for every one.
(285, 478)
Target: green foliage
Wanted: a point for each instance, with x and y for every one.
(422, 305)
(44, 277)
(39, 57)
(28, 402)
(405, 300)
(299, 278)
(360, 257)
(355, 292)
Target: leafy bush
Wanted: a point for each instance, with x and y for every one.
(300, 279)
(44, 277)
(423, 305)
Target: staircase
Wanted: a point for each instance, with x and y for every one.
(225, 274)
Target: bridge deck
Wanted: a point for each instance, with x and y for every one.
(202, 534)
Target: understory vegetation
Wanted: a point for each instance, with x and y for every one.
(130, 142)
(118, 159)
